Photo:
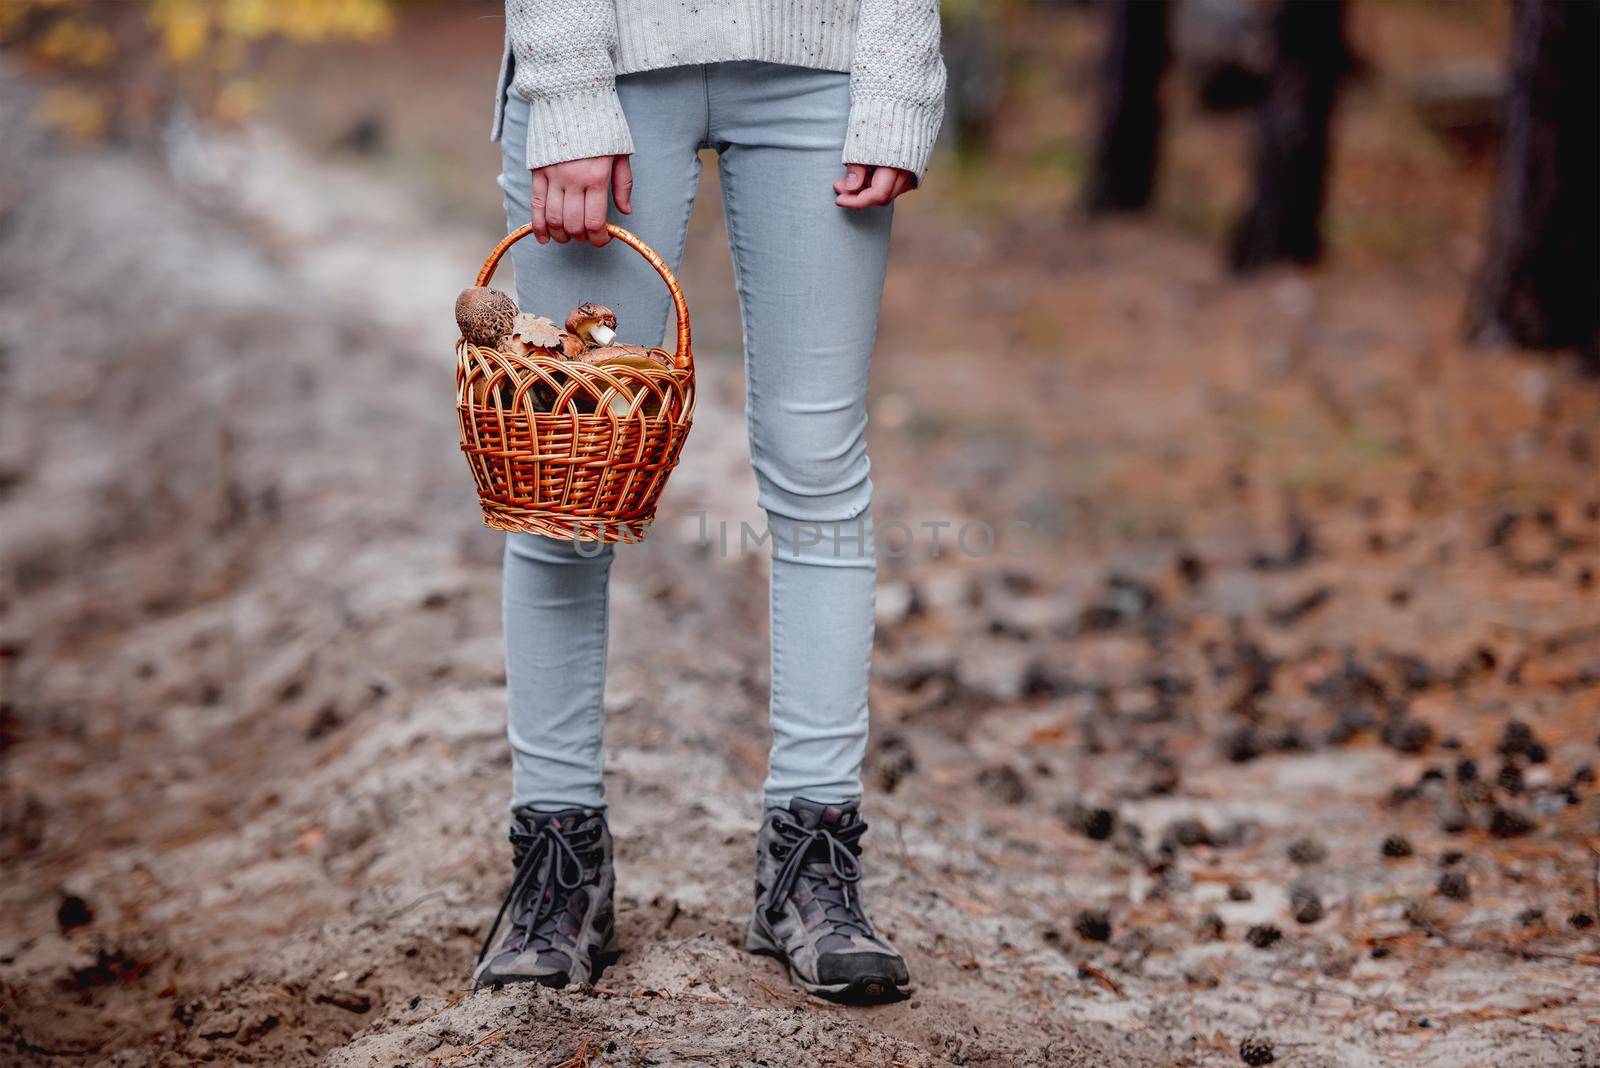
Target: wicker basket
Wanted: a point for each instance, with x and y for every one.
(567, 449)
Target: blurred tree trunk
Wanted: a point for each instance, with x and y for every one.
(1127, 144)
(1284, 223)
(974, 60)
(1539, 284)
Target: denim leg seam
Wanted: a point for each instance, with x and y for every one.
(705, 82)
(730, 211)
(602, 642)
(730, 208)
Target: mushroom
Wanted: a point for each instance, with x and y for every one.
(621, 403)
(484, 314)
(573, 346)
(530, 332)
(629, 356)
(634, 358)
(594, 323)
(503, 391)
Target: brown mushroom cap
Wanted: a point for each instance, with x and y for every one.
(585, 317)
(572, 346)
(502, 392)
(626, 358)
(629, 355)
(484, 314)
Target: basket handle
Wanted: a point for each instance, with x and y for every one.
(682, 359)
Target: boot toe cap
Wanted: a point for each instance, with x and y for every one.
(550, 968)
(839, 969)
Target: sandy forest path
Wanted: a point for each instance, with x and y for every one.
(255, 768)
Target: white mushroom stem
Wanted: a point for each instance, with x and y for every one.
(602, 334)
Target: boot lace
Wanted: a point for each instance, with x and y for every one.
(828, 861)
(548, 869)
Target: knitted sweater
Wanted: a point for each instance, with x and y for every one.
(563, 57)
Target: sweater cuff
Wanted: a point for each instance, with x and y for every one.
(888, 132)
(576, 125)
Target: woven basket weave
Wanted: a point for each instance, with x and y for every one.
(567, 449)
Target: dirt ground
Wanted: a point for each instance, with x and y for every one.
(1284, 727)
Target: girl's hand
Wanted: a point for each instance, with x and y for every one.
(569, 199)
(868, 187)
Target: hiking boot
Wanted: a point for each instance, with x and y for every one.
(808, 906)
(561, 928)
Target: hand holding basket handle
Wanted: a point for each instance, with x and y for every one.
(570, 449)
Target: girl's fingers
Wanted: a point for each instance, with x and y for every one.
(854, 176)
(541, 186)
(594, 215)
(572, 214)
(864, 187)
(555, 214)
(848, 197)
(622, 185)
(881, 190)
(874, 194)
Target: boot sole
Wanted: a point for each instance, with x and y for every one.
(863, 990)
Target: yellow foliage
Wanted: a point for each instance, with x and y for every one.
(201, 51)
(186, 27)
(308, 21)
(182, 26)
(73, 42)
(238, 99)
(78, 113)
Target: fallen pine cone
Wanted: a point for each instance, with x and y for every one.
(1396, 845)
(1092, 925)
(1507, 822)
(1307, 850)
(1092, 822)
(1306, 904)
(1257, 1050)
(1263, 935)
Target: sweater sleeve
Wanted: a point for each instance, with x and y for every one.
(896, 85)
(564, 60)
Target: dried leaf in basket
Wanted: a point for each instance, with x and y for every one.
(529, 332)
(484, 314)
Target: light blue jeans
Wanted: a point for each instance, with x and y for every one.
(810, 279)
